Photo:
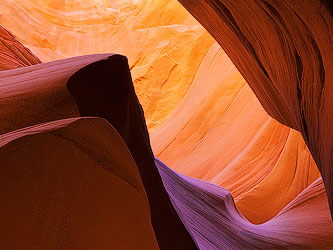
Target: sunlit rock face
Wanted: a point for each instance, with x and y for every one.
(220, 133)
(204, 121)
(284, 51)
(162, 41)
(218, 103)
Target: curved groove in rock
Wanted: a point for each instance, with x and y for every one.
(209, 213)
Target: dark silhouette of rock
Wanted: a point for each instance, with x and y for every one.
(71, 184)
(104, 89)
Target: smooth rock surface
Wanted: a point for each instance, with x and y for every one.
(71, 184)
(220, 133)
(284, 51)
(205, 122)
(162, 41)
(209, 213)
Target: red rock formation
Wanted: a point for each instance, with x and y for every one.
(266, 168)
(12, 53)
(220, 133)
(218, 116)
(209, 213)
(105, 89)
(284, 51)
(60, 189)
(39, 94)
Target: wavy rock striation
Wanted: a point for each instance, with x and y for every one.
(12, 53)
(165, 47)
(284, 51)
(162, 41)
(220, 133)
(83, 183)
(210, 215)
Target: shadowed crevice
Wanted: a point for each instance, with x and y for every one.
(105, 89)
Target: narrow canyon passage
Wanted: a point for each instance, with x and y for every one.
(237, 160)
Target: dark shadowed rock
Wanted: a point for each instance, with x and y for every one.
(105, 89)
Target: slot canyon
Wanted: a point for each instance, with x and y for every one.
(166, 124)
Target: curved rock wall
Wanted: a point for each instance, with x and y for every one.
(186, 119)
(210, 215)
(207, 124)
(220, 133)
(61, 190)
(284, 51)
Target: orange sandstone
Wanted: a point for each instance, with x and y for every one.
(205, 121)
(162, 41)
(221, 133)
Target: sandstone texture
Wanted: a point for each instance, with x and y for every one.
(127, 125)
